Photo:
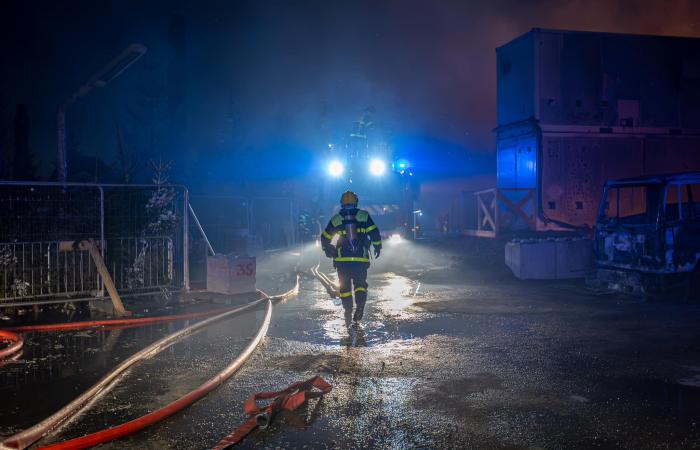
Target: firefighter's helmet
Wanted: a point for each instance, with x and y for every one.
(349, 198)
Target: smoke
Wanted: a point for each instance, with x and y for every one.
(287, 77)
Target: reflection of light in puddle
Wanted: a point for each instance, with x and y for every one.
(335, 330)
(395, 296)
(323, 301)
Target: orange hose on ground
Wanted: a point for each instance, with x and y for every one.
(29, 436)
(17, 343)
(10, 359)
(115, 322)
(135, 425)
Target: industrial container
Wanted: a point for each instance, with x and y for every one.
(578, 108)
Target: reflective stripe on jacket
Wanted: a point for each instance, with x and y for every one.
(367, 234)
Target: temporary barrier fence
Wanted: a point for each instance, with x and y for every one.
(141, 231)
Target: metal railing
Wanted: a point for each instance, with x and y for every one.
(44, 269)
(141, 231)
(140, 263)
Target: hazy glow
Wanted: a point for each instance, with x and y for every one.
(377, 167)
(336, 168)
(395, 239)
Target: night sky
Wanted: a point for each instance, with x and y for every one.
(228, 88)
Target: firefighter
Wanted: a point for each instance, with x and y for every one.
(356, 232)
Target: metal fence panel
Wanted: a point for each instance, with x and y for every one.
(141, 231)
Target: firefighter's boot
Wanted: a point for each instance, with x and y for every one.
(347, 307)
(360, 300)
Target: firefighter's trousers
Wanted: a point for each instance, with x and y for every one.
(352, 277)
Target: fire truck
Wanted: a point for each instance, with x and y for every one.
(365, 163)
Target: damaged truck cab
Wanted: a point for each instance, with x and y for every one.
(647, 235)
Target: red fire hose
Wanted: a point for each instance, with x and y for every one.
(135, 425)
(16, 343)
(288, 399)
(10, 333)
(29, 436)
(115, 322)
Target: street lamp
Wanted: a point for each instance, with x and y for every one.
(108, 73)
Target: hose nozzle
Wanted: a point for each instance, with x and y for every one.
(263, 420)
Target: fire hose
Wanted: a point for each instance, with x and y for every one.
(29, 436)
(10, 333)
(16, 343)
(142, 422)
(330, 286)
(288, 399)
(114, 322)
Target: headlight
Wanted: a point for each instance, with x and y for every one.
(336, 168)
(377, 167)
(395, 239)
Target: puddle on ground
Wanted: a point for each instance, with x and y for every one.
(336, 332)
(391, 298)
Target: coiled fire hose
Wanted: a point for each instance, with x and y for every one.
(288, 399)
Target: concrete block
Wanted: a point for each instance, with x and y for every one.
(532, 260)
(229, 274)
(573, 257)
(548, 259)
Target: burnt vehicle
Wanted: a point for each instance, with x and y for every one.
(647, 235)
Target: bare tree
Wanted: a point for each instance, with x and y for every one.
(161, 219)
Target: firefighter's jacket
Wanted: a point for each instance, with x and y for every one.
(349, 248)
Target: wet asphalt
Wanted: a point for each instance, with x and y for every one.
(453, 353)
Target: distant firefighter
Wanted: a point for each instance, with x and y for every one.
(356, 232)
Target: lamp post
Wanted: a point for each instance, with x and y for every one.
(108, 73)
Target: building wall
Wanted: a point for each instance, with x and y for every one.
(574, 170)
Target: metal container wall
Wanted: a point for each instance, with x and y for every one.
(599, 79)
(601, 106)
